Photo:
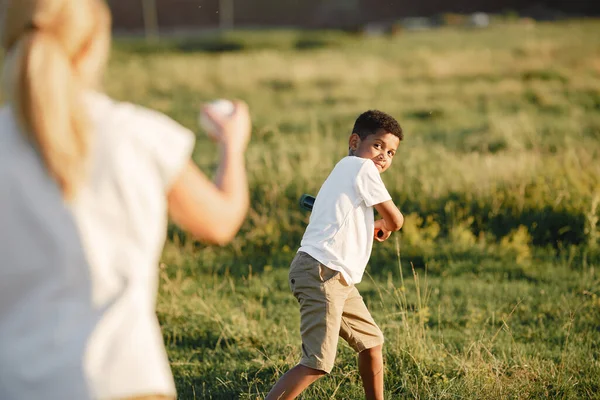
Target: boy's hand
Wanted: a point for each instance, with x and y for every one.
(381, 233)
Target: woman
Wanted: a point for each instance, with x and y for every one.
(85, 187)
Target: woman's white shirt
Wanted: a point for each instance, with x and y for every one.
(122, 217)
(119, 219)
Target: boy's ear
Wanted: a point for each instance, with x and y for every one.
(354, 142)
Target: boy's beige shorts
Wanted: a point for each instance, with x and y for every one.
(329, 308)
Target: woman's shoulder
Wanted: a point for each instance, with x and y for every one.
(126, 119)
(9, 131)
(105, 107)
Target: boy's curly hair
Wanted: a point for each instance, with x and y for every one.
(373, 121)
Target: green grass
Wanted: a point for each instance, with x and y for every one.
(490, 290)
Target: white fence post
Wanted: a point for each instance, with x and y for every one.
(226, 14)
(150, 19)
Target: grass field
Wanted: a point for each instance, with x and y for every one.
(491, 290)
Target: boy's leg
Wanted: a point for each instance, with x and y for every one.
(364, 336)
(321, 296)
(293, 382)
(370, 366)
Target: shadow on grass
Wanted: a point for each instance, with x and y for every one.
(223, 382)
(547, 225)
(218, 44)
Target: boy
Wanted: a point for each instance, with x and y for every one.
(333, 255)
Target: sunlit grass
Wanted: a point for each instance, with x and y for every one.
(490, 291)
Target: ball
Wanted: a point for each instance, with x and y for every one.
(222, 108)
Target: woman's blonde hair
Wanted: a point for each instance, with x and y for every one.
(54, 50)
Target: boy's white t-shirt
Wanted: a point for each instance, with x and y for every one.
(93, 261)
(341, 228)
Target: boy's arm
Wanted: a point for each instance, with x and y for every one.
(373, 191)
(391, 216)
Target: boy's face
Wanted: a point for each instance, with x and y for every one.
(379, 147)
